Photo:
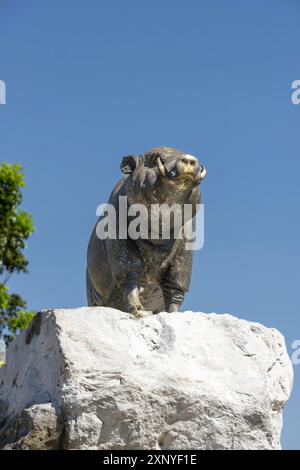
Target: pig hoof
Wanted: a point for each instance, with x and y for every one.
(142, 313)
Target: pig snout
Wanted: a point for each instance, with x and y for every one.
(187, 165)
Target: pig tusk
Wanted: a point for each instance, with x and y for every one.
(161, 168)
(203, 172)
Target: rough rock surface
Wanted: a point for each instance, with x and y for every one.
(96, 378)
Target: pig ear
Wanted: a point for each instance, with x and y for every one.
(152, 158)
(129, 164)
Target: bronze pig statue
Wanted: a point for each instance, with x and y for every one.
(145, 275)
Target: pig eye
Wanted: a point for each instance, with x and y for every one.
(173, 173)
(188, 161)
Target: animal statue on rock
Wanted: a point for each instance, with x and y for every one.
(147, 274)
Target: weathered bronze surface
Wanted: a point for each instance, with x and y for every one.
(142, 276)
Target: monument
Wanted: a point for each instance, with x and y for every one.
(113, 376)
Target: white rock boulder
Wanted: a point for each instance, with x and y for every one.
(96, 378)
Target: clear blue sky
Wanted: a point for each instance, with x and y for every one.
(90, 81)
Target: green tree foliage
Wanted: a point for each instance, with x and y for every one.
(15, 227)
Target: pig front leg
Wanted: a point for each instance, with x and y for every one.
(176, 281)
(173, 295)
(173, 290)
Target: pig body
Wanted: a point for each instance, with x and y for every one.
(148, 275)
